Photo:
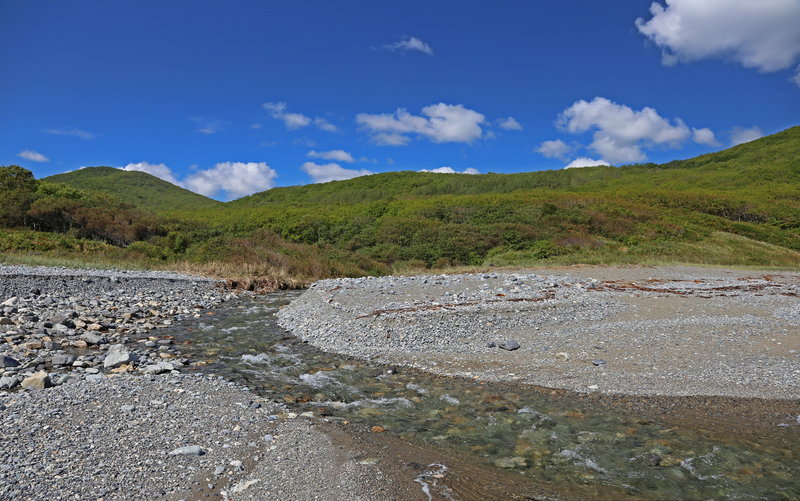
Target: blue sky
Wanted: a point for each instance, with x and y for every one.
(228, 98)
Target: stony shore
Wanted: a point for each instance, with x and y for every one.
(58, 325)
(93, 404)
(675, 331)
(173, 437)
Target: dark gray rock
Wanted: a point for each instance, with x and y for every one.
(509, 345)
(6, 361)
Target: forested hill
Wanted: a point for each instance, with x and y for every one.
(138, 188)
(768, 164)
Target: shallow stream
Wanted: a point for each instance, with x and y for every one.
(553, 440)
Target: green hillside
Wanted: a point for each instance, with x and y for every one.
(138, 188)
(598, 214)
(739, 207)
(767, 164)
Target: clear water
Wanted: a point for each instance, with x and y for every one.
(550, 439)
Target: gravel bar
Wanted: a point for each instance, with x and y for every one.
(163, 437)
(93, 404)
(676, 331)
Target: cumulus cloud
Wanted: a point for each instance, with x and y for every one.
(441, 123)
(741, 135)
(226, 179)
(232, 179)
(33, 156)
(621, 133)
(759, 34)
(337, 155)
(554, 149)
(585, 162)
(294, 121)
(450, 170)
(322, 173)
(410, 44)
(82, 134)
(704, 136)
(510, 123)
(160, 171)
(796, 77)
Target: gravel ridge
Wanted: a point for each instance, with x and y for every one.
(138, 437)
(642, 331)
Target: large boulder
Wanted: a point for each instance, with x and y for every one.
(116, 356)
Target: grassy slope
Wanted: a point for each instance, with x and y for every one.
(770, 166)
(138, 188)
(631, 213)
(740, 207)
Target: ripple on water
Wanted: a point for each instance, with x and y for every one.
(546, 438)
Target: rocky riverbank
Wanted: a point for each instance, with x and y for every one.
(674, 331)
(93, 403)
(59, 325)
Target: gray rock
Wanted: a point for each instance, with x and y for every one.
(116, 356)
(62, 359)
(189, 450)
(598, 362)
(159, 368)
(8, 382)
(92, 338)
(509, 345)
(6, 361)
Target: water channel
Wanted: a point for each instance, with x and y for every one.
(559, 441)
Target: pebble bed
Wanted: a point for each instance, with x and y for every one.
(59, 325)
(686, 332)
(162, 437)
(93, 404)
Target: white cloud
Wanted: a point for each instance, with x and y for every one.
(621, 132)
(510, 123)
(450, 170)
(390, 139)
(441, 123)
(411, 44)
(331, 172)
(33, 156)
(554, 149)
(585, 162)
(325, 125)
(296, 120)
(208, 126)
(704, 136)
(160, 171)
(255, 126)
(760, 34)
(71, 132)
(796, 77)
(337, 155)
(741, 135)
(234, 179)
